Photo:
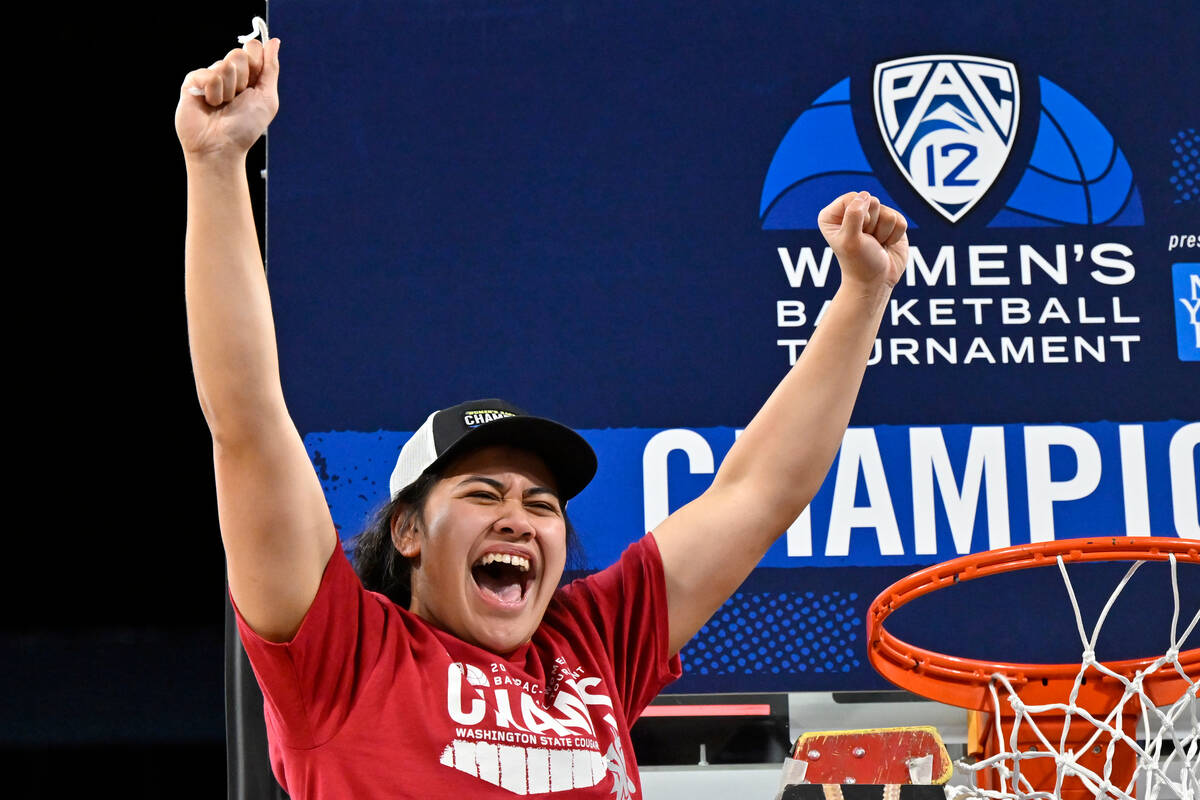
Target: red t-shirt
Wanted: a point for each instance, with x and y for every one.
(370, 701)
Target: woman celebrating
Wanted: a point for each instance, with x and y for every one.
(451, 664)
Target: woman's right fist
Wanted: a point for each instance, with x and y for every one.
(233, 102)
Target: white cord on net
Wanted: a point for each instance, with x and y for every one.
(260, 30)
(1180, 722)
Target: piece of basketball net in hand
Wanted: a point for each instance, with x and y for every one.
(260, 29)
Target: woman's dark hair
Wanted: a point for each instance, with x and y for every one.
(382, 568)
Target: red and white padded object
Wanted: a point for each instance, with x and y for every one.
(911, 754)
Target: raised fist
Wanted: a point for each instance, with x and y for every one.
(233, 102)
(869, 239)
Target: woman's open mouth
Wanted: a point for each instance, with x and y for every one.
(502, 577)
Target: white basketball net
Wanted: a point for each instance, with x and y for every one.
(1176, 773)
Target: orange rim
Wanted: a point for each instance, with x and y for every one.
(964, 681)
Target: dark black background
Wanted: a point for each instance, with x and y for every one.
(111, 642)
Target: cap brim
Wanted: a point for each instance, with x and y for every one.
(567, 455)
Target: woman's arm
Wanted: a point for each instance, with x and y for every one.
(776, 466)
(274, 521)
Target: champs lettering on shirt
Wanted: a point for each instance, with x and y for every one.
(509, 736)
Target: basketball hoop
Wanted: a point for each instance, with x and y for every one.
(1066, 731)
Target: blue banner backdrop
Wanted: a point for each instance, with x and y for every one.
(605, 212)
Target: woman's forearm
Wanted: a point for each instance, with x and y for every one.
(230, 327)
(787, 448)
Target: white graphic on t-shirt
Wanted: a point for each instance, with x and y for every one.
(512, 740)
(623, 788)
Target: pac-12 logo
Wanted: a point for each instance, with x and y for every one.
(949, 124)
